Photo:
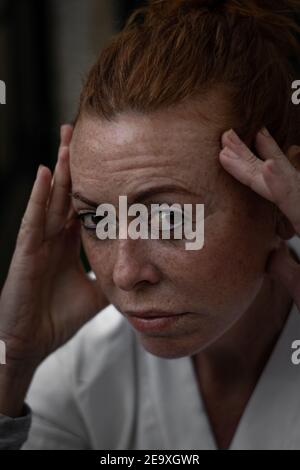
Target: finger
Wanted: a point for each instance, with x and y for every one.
(242, 164)
(283, 267)
(66, 132)
(281, 177)
(274, 179)
(32, 229)
(72, 214)
(58, 204)
(285, 189)
(268, 148)
(65, 138)
(72, 234)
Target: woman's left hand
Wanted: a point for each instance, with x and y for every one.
(275, 179)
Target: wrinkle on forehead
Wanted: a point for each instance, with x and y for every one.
(135, 139)
(174, 145)
(196, 122)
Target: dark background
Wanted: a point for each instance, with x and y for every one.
(46, 48)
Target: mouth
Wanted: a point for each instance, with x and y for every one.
(148, 314)
(153, 321)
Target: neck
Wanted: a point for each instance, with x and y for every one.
(228, 371)
(241, 353)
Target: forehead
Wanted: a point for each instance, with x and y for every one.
(179, 144)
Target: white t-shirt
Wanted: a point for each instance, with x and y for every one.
(103, 390)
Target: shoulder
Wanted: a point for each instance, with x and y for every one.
(99, 345)
(92, 373)
(83, 395)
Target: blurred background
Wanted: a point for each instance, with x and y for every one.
(46, 49)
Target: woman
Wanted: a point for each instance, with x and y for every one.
(153, 125)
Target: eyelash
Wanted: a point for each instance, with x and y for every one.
(82, 215)
(92, 230)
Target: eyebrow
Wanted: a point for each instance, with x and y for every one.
(139, 195)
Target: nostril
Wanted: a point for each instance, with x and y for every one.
(134, 275)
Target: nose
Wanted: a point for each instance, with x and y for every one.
(133, 266)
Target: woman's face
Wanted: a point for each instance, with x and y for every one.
(177, 147)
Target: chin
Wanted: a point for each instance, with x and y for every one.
(170, 347)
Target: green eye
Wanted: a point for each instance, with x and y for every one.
(89, 220)
(167, 220)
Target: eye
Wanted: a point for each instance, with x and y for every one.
(89, 220)
(167, 219)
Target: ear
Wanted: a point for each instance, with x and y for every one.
(293, 155)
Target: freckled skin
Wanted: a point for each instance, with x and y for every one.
(219, 283)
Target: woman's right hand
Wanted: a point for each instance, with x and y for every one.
(47, 295)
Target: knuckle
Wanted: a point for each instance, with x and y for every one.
(285, 197)
(278, 155)
(24, 224)
(249, 157)
(252, 168)
(25, 229)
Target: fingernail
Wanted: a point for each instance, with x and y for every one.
(228, 153)
(39, 170)
(234, 137)
(264, 131)
(62, 131)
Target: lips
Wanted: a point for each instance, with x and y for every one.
(151, 314)
(155, 322)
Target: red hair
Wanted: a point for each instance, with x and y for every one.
(173, 50)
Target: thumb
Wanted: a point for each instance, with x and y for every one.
(283, 267)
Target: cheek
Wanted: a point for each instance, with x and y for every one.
(225, 276)
(98, 253)
(222, 278)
